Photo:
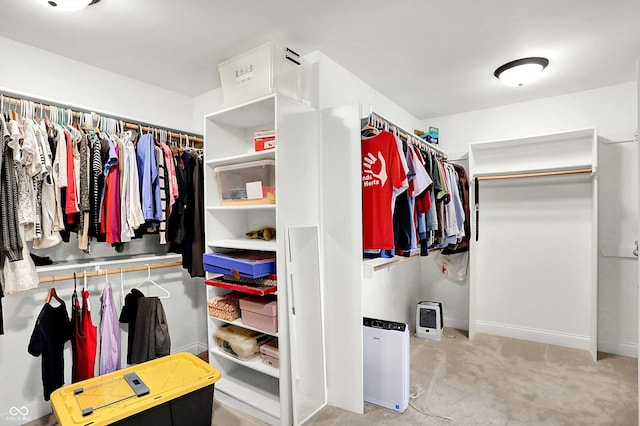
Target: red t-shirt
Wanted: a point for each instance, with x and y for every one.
(382, 171)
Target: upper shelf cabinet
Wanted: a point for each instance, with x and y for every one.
(557, 152)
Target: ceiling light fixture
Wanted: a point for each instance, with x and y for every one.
(70, 5)
(521, 71)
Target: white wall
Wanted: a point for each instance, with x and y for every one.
(204, 104)
(613, 112)
(44, 75)
(38, 73)
(339, 87)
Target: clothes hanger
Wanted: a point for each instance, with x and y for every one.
(52, 294)
(368, 130)
(149, 280)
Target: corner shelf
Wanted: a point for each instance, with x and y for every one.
(268, 154)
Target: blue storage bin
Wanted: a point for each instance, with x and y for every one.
(247, 264)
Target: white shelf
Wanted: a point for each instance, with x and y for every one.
(247, 115)
(114, 262)
(254, 363)
(239, 323)
(245, 244)
(258, 392)
(372, 265)
(247, 207)
(242, 158)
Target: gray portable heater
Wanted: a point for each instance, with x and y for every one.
(429, 320)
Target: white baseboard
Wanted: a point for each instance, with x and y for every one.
(458, 323)
(194, 348)
(618, 348)
(535, 335)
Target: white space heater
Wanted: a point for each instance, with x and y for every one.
(429, 320)
(386, 363)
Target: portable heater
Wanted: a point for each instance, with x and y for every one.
(429, 320)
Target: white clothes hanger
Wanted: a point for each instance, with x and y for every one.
(84, 288)
(149, 280)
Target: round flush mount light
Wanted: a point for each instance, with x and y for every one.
(521, 71)
(70, 5)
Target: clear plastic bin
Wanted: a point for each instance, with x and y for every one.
(247, 183)
(266, 69)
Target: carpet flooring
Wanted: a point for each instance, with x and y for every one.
(493, 381)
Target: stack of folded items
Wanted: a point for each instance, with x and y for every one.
(225, 307)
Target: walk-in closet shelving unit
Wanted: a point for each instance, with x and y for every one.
(353, 288)
(533, 264)
(258, 389)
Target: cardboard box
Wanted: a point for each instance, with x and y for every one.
(243, 263)
(262, 144)
(269, 353)
(260, 312)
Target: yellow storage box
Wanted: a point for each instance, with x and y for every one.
(173, 390)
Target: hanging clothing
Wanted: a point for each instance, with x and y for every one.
(24, 153)
(128, 316)
(176, 232)
(149, 182)
(96, 185)
(162, 183)
(463, 189)
(1, 316)
(131, 217)
(382, 172)
(197, 245)
(152, 338)
(84, 203)
(110, 205)
(172, 180)
(10, 240)
(109, 333)
(71, 204)
(84, 338)
(51, 331)
(20, 275)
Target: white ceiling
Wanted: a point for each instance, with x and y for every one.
(432, 57)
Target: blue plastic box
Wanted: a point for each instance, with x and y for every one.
(247, 264)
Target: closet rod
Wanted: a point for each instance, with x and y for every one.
(110, 271)
(409, 134)
(175, 134)
(536, 174)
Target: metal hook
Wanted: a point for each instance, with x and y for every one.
(635, 251)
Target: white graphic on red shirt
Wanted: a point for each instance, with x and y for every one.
(369, 177)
